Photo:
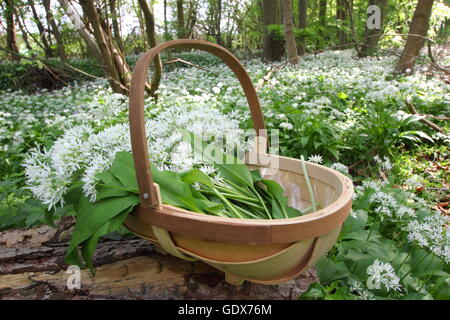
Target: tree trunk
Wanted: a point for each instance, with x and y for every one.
(88, 38)
(273, 43)
(322, 22)
(341, 15)
(417, 31)
(11, 39)
(151, 37)
(372, 36)
(115, 25)
(23, 31)
(42, 33)
(32, 267)
(192, 19)
(218, 20)
(323, 13)
(289, 37)
(51, 22)
(302, 22)
(115, 66)
(180, 20)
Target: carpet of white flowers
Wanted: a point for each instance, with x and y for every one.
(332, 108)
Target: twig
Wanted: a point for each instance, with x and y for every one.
(427, 122)
(45, 62)
(188, 63)
(54, 74)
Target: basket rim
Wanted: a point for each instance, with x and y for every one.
(255, 231)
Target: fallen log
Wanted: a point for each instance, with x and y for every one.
(32, 267)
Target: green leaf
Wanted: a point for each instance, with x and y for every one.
(326, 270)
(229, 167)
(174, 190)
(196, 175)
(123, 169)
(88, 247)
(356, 221)
(279, 201)
(256, 175)
(315, 291)
(442, 289)
(108, 191)
(93, 218)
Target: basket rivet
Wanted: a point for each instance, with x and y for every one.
(145, 195)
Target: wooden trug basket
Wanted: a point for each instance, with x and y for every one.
(262, 251)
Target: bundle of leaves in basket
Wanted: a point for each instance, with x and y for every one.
(226, 189)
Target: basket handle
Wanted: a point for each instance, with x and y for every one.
(147, 190)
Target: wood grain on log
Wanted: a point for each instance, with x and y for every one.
(32, 267)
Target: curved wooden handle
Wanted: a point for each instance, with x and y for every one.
(147, 190)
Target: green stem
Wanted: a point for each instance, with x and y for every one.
(429, 276)
(262, 202)
(417, 263)
(308, 185)
(227, 203)
(404, 260)
(249, 213)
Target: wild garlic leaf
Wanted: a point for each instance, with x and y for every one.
(88, 246)
(123, 169)
(174, 190)
(196, 175)
(95, 216)
(279, 201)
(229, 167)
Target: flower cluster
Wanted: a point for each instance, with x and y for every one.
(432, 233)
(81, 153)
(382, 274)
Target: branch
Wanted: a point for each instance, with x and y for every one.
(188, 63)
(427, 122)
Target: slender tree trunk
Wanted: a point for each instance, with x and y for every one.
(23, 31)
(116, 68)
(151, 37)
(140, 17)
(180, 20)
(42, 33)
(323, 13)
(417, 31)
(51, 22)
(341, 16)
(11, 39)
(192, 19)
(273, 44)
(166, 24)
(289, 37)
(115, 25)
(302, 22)
(88, 38)
(218, 22)
(372, 36)
(322, 21)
